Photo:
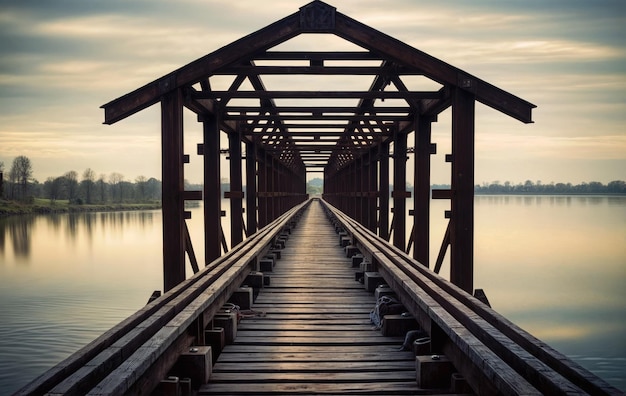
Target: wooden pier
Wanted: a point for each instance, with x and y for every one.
(308, 330)
(314, 334)
(303, 323)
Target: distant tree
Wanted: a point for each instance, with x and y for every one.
(88, 184)
(102, 188)
(21, 173)
(153, 188)
(141, 183)
(126, 190)
(71, 185)
(53, 188)
(616, 187)
(116, 179)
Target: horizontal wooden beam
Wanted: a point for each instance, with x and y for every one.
(315, 70)
(347, 117)
(318, 55)
(318, 109)
(318, 134)
(317, 148)
(316, 95)
(378, 128)
(442, 194)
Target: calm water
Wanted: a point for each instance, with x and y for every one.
(556, 266)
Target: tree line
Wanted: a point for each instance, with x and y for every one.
(18, 184)
(528, 187)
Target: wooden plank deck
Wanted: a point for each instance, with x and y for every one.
(315, 336)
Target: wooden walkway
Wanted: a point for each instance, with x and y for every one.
(316, 336)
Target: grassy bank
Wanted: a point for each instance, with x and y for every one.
(43, 206)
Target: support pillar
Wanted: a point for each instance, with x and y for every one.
(372, 188)
(173, 187)
(383, 199)
(263, 190)
(251, 186)
(212, 194)
(462, 221)
(235, 194)
(399, 190)
(423, 151)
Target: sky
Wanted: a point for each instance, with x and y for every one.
(61, 60)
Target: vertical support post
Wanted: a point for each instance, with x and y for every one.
(383, 199)
(372, 187)
(361, 172)
(251, 186)
(173, 185)
(421, 217)
(462, 221)
(236, 193)
(212, 193)
(399, 189)
(354, 178)
(263, 199)
(272, 189)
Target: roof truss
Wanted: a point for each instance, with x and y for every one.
(330, 127)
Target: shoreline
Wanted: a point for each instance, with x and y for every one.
(11, 208)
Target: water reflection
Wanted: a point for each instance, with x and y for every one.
(16, 231)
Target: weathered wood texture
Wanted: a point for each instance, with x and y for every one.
(316, 336)
(132, 357)
(493, 354)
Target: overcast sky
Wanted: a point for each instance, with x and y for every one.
(61, 60)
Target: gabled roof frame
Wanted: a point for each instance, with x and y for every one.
(365, 132)
(307, 20)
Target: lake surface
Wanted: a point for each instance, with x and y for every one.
(554, 265)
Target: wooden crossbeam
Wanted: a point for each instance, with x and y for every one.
(317, 55)
(316, 95)
(315, 70)
(318, 109)
(311, 126)
(347, 117)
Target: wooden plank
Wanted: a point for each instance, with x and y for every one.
(313, 377)
(388, 388)
(319, 341)
(320, 366)
(315, 335)
(365, 357)
(288, 349)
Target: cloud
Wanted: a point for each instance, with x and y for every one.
(61, 60)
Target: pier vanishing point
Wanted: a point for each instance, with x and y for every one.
(292, 306)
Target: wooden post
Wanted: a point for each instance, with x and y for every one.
(421, 217)
(399, 189)
(236, 193)
(212, 194)
(263, 199)
(273, 189)
(173, 186)
(462, 221)
(251, 188)
(383, 199)
(372, 187)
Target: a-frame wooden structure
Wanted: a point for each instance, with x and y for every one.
(350, 142)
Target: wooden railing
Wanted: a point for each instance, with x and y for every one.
(494, 355)
(134, 356)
